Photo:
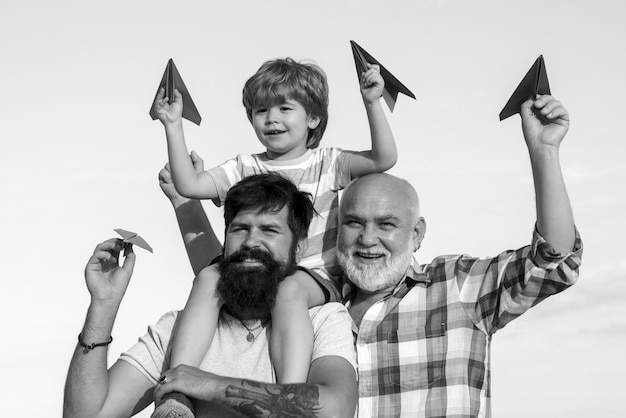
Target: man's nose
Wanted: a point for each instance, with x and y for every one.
(252, 239)
(368, 236)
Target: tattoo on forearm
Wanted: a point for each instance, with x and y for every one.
(279, 401)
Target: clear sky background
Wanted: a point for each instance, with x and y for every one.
(80, 156)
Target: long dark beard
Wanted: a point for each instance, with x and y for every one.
(250, 291)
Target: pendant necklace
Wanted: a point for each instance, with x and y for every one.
(250, 337)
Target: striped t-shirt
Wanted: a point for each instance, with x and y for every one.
(323, 172)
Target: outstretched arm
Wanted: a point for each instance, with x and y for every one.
(383, 154)
(199, 238)
(329, 392)
(90, 390)
(188, 182)
(544, 123)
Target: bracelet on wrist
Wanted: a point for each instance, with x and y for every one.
(91, 346)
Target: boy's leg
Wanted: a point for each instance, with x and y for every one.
(192, 337)
(291, 344)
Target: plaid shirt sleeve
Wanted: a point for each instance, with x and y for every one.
(494, 291)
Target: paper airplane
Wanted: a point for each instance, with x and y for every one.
(132, 238)
(172, 80)
(534, 82)
(393, 86)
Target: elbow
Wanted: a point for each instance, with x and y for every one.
(387, 163)
(188, 191)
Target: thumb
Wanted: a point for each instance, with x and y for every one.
(198, 162)
(526, 110)
(129, 259)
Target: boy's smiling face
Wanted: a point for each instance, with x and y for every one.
(283, 129)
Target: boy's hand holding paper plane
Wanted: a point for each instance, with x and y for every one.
(172, 99)
(393, 86)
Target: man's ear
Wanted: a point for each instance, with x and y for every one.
(301, 248)
(418, 233)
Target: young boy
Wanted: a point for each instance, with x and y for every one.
(287, 105)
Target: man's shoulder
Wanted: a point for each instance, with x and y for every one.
(328, 313)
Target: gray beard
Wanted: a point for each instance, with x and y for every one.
(374, 278)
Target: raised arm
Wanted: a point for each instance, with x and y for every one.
(544, 123)
(383, 154)
(199, 238)
(188, 182)
(90, 390)
(330, 391)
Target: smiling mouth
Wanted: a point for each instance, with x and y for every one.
(368, 256)
(274, 132)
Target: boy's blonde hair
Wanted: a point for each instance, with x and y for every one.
(279, 80)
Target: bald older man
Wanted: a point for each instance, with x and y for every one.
(423, 331)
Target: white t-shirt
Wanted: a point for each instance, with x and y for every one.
(230, 353)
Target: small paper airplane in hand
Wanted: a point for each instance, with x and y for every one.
(393, 86)
(172, 80)
(534, 82)
(132, 238)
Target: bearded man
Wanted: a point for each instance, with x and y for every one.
(423, 331)
(236, 377)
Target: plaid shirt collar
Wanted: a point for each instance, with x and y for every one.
(414, 274)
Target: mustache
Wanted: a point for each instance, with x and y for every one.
(253, 254)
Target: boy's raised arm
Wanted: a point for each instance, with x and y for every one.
(544, 123)
(187, 181)
(383, 154)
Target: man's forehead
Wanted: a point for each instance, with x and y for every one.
(273, 216)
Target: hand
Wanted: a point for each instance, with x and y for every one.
(106, 280)
(372, 84)
(168, 113)
(544, 122)
(166, 184)
(190, 381)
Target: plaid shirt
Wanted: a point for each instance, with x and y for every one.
(423, 351)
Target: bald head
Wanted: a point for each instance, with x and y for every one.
(383, 186)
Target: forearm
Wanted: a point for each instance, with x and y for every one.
(256, 399)
(555, 220)
(384, 153)
(86, 386)
(184, 175)
(199, 238)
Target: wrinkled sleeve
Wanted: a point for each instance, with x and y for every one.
(225, 176)
(494, 291)
(340, 163)
(333, 333)
(149, 355)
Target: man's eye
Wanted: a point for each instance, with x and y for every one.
(387, 225)
(353, 224)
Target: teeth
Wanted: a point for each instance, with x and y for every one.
(369, 255)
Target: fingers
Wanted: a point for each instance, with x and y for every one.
(129, 259)
(177, 96)
(198, 163)
(372, 76)
(165, 385)
(164, 175)
(106, 253)
(550, 108)
(545, 108)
